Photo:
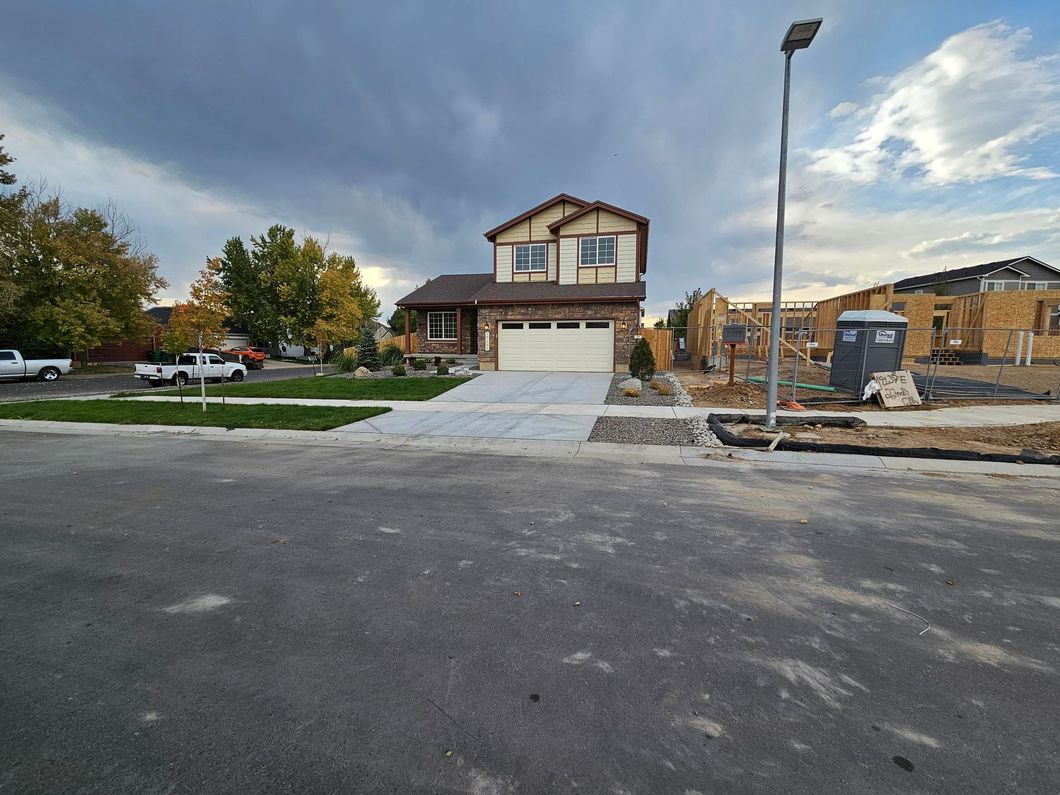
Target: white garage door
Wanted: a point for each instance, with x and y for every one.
(586, 346)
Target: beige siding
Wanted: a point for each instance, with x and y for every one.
(626, 257)
(605, 275)
(551, 260)
(520, 277)
(609, 222)
(586, 225)
(504, 263)
(539, 223)
(597, 220)
(568, 260)
(516, 234)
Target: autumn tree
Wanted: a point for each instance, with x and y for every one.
(79, 276)
(346, 304)
(201, 320)
(284, 291)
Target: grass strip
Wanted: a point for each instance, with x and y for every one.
(127, 412)
(329, 388)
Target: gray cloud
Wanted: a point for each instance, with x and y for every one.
(403, 130)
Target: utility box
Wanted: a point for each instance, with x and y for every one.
(867, 341)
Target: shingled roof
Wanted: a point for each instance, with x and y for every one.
(964, 273)
(468, 289)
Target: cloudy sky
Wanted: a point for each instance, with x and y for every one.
(924, 135)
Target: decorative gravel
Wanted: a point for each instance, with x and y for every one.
(648, 396)
(641, 430)
(410, 373)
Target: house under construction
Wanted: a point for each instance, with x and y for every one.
(965, 316)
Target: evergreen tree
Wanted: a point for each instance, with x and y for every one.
(642, 361)
(367, 351)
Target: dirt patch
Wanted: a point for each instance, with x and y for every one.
(1042, 437)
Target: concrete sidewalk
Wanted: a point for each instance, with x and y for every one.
(971, 416)
(627, 454)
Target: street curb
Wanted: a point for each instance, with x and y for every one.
(620, 454)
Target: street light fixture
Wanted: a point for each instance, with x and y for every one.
(798, 37)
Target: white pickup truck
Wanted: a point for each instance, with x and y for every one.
(187, 369)
(12, 365)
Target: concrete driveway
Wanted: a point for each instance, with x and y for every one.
(540, 388)
(527, 393)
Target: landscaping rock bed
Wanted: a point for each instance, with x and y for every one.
(454, 370)
(641, 430)
(648, 396)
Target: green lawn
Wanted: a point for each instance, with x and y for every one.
(332, 388)
(129, 412)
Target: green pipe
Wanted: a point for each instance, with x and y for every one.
(816, 387)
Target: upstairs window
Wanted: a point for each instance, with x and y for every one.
(530, 258)
(597, 251)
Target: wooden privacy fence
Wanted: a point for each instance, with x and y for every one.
(661, 341)
(399, 340)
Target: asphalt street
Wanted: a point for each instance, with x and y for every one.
(77, 384)
(181, 615)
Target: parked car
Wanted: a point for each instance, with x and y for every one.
(253, 358)
(187, 369)
(12, 365)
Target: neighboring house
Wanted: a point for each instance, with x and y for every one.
(564, 293)
(380, 331)
(1020, 273)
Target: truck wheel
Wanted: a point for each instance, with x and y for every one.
(180, 379)
(236, 376)
(48, 374)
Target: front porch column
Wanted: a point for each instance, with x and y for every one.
(408, 330)
(459, 331)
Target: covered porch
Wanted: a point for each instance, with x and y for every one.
(443, 330)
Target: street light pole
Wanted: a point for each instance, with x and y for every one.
(778, 258)
(798, 37)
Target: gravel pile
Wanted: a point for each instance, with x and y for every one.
(648, 396)
(702, 435)
(641, 430)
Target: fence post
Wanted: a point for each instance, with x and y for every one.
(1030, 347)
(747, 353)
(1004, 356)
(1019, 348)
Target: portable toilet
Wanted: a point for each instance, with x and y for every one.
(867, 341)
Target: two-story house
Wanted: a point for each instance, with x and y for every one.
(1019, 273)
(564, 292)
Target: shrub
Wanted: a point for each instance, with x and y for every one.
(654, 384)
(442, 370)
(418, 365)
(665, 391)
(437, 361)
(397, 369)
(367, 349)
(450, 360)
(631, 392)
(344, 362)
(390, 355)
(642, 361)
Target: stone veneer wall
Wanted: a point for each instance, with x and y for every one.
(423, 345)
(620, 313)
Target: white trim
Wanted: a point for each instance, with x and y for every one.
(530, 258)
(441, 339)
(614, 251)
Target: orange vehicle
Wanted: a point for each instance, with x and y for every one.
(252, 357)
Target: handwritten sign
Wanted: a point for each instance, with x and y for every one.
(896, 389)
